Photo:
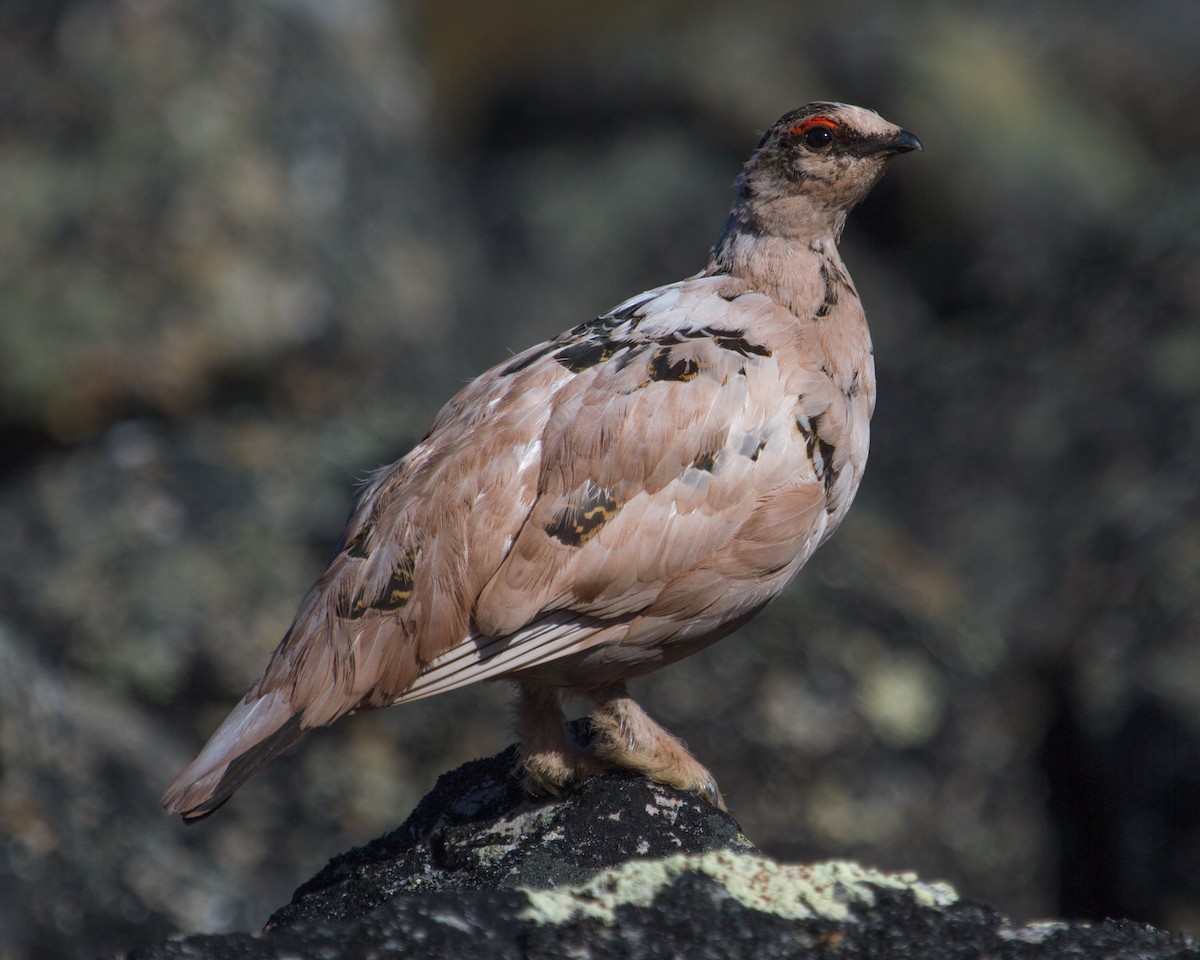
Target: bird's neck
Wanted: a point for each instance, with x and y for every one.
(788, 269)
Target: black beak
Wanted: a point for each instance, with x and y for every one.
(904, 142)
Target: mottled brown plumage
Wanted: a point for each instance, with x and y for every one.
(606, 502)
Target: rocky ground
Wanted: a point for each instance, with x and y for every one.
(624, 868)
(247, 249)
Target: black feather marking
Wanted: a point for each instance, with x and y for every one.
(395, 594)
(830, 278)
(529, 359)
(818, 450)
(736, 341)
(828, 474)
(351, 608)
(634, 312)
(399, 586)
(577, 523)
(357, 547)
(661, 367)
(578, 357)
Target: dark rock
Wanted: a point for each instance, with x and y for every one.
(625, 868)
(477, 830)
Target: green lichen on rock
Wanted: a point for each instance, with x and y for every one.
(794, 892)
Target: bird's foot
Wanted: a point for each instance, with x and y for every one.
(623, 736)
(627, 737)
(551, 761)
(558, 768)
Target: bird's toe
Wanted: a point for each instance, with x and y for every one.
(553, 771)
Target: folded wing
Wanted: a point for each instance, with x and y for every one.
(600, 504)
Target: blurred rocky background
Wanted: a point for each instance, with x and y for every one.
(248, 248)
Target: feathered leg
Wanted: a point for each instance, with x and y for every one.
(549, 756)
(628, 737)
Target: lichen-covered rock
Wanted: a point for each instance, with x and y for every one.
(477, 830)
(792, 891)
(624, 868)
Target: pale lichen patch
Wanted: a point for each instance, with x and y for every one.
(452, 920)
(668, 802)
(506, 833)
(791, 891)
(1038, 931)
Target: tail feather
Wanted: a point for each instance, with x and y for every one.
(254, 733)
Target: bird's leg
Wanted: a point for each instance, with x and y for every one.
(628, 737)
(550, 758)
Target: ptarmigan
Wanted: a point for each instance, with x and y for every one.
(606, 502)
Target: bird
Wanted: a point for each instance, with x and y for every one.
(607, 502)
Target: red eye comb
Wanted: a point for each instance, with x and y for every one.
(815, 122)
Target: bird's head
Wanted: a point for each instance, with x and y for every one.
(812, 166)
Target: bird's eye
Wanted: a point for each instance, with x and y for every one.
(818, 136)
(816, 132)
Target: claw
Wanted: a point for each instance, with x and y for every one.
(538, 788)
(712, 793)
